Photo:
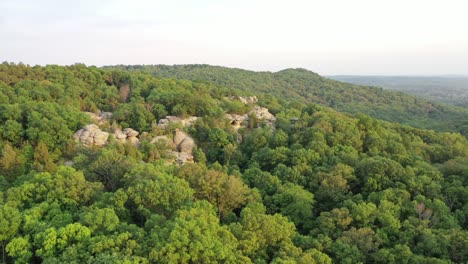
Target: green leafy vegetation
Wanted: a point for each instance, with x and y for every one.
(445, 89)
(302, 86)
(321, 186)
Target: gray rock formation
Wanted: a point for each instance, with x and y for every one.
(186, 146)
(127, 135)
(164, 122)
(180, 157)
(120, 136)
(183, 142)
(244, 99)
(101, 117)
(163, 139)
(238, 121)
(261, 113)
(179, 136)
(130, 132)
(134, 140)
(248, 99)
(91, 135)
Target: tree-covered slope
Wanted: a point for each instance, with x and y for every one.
(307, 87)
(322, 186)
(445, 89)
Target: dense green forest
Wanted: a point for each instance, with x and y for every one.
(305, 87)
(320, 186)
(445, 89)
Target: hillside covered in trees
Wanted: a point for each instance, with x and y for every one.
(311, 185)
(445, 89)
(305, 87)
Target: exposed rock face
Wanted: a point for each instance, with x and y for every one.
(127, 135)
(260, 113)
(248, 99)
(181, 158)
(238, 120)
(163, 139)
(120, 136)
(183, 142)
(186, 146)
(179, 136)
(130, 132)
(244, 99)
(91, 135)
(101, 117)
(134, 140)
(190, 121)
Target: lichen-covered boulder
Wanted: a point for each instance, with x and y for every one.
(187, 145)
(91, 135)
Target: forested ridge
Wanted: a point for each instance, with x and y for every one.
(320, 186)
(304, 86)
(446, 89)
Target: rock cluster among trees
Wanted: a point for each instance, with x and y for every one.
(322, 187)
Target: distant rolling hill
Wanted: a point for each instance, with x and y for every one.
(303, 86)
(445, 89)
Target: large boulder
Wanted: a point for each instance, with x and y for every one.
(238, 121)
(163, 123)
(180, 157)
(134, 140)
(163, 139)
(183, 141)
(120, 136)
(127, 135)
(91, 135)
(132, 136)
(179, 136)
(130, 132)
(187, 145)
(263, 113)
(101, 117)
(244, 99)
(248, 99)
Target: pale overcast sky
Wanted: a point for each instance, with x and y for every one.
(409, 37)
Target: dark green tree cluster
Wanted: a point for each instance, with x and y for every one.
(320, 187)
(451, 90)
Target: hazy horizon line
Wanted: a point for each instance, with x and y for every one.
(446, 75)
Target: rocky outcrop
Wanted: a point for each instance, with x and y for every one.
(127, 135)
(238, 121)
(261, 113)
(186, 146)
(120, 136)
(182, 145)
(183, 142)
(130, 132)
(161, 139)
(181, 158)
(244, 99)
(91, 135)
(248, 99)
(185, 122)
(101, 117)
